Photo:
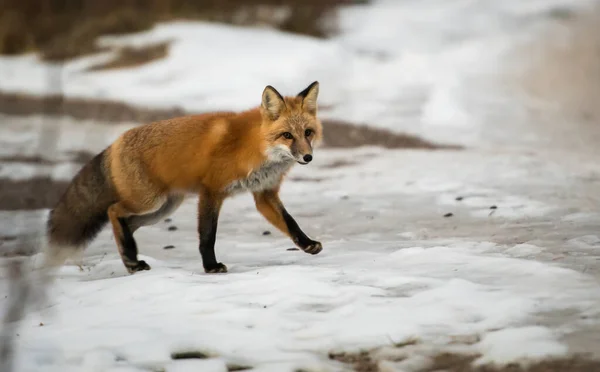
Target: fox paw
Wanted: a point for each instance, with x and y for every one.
(215, 268)
(134, 267)
(313, 248)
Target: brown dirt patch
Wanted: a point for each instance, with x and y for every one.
(37, 192)
(129, 57)
(70, 35)
(82, 109)
(34, 193)
(361, 362)
(235, 368)
(61, 30)
(192, 354)
(339, 164)
(365, 361)
(337, 134)
(463, 363)
(76, 156)
(306, 179)
(17, 247)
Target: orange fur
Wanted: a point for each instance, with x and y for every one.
(201, 151)
(214, 155)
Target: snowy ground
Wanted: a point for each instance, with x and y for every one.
(393, 268)
(523, 277)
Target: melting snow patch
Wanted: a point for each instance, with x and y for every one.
(523, 250)
(586, 242)
(519, 344)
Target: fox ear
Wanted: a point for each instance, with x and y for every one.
(309, 97)
(272, 102)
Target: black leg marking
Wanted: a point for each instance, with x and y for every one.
(298, 236)
(208, 217)
(130, 250)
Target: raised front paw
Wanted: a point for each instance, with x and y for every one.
(215, 268)
(313, 248)
(133, 267)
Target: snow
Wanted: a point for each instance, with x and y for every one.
(511, 283)
(197, 75)
(389, 271)
(524, 250)
(587, 241)
(265, 312)
(535, 343)
(426, 67)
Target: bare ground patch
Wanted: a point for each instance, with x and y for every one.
(60, 30)
(306, 179)
(370, 361)
(33, 193)
(82, 109)
(76, 156)
(36, 192)
(17, 246)
(337, 134)
(339, 164)
(128, 57)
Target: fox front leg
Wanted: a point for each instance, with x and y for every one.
(271, 207)
(209, 206)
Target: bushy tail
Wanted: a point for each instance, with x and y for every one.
(81, 212)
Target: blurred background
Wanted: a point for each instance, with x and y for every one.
(484, 78)
(394, 73)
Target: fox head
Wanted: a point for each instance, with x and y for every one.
(290, 124)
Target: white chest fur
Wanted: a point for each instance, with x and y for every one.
(264, 178)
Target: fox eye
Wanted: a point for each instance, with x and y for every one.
(308, 132)
(287, 135)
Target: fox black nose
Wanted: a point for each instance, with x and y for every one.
(307, 158)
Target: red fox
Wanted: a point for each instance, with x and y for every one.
(143, 176)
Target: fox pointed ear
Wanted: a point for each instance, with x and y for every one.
(272, 102)
(309, 97)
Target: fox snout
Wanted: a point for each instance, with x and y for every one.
(302, 151)
(303, 157)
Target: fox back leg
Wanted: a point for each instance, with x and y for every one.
(126, 218)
